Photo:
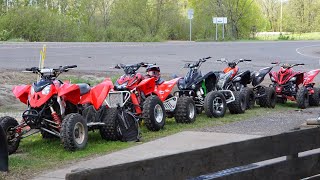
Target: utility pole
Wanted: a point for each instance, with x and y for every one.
(281, 16)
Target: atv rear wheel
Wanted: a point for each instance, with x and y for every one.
(215, 104)
(250, 97)
(74, 132)
(154, 113)
(3, 151)
(269, 99)
(185, 111)
(239, 105)
(303, 98)
(315, 97)
(8, 124)
(109, 131)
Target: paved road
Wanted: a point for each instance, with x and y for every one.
(169, 55)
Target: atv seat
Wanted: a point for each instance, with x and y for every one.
(84, 88)
(159, 81)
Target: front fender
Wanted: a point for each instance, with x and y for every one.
(22, 92)
(3, 151)
(309, 76)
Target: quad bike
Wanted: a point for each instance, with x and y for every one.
(286, 83)
(264, 96)
(134, 98)
(182, 108)
(3, 151)
(231, 79)
(52, 110)
(101, 115)
(202, 89)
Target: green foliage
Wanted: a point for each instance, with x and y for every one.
(4, 35)
(283, 37)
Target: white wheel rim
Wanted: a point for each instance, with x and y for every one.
(191, 111)
(217, 104)
(78, 133)
(158, 113)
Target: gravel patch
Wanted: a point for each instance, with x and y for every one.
(268, 124)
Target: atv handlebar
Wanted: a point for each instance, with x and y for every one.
(290, 65)
(234, 62)
(53, 73)
(131, 69)
(197, 63)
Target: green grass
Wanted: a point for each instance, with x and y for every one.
(296, 36)
(36, 154)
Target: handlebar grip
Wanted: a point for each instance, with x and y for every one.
(72, 66)
(28, 69)
(247, 60)
(208, 57)
(301, 64)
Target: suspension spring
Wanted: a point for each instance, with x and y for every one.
(56, 117)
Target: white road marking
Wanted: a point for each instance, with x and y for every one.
(306, 55)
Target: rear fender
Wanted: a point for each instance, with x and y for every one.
(147, 86)
(309, 76)
(300, 78)
(98, 94)
(3, 151)
(163, 90)
(210, 81)
(69, 92)
(22, 92)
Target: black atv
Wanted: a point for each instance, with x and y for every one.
(203, 90)
(239, 81)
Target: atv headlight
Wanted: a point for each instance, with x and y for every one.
(32, 90)
(193, 86)
(46, 90)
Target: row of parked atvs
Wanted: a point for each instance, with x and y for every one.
(68, 111)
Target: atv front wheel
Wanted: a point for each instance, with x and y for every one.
(8, 124)
(269, 99)
(154, 113)
(215, 104)
(109, 130)
(185, 111)
(250, 97)
(74, 132)
(303, 98)
(240, 104)
(315, 97)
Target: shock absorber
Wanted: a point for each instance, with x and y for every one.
(56, 117)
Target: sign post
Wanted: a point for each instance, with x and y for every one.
(219, 20)
(190, 17)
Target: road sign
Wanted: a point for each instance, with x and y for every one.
(219, 20)
(190, 13)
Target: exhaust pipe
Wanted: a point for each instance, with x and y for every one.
(3, 151)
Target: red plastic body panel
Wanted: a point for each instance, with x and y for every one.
(147, 86)
(136, 103)
(133, 80)
(98, 94)
(228, 69)
(70, 92)
(22, 92)
(309, 76)
(283, 76)
(163, 90)
(38, 99)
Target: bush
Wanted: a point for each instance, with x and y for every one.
(4, 35)
(283, 37)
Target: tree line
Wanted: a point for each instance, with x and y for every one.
(151, 20)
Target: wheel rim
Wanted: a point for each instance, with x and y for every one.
(217, 104)
(79, 133)
(191, 111)
(158, 113)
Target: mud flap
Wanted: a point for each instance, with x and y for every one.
(3, 151)
(128, 126)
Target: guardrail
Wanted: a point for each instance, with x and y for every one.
(213, 159)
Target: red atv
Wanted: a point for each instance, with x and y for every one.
(182, 108)
(52, 110)
(135, 99)
(286, 83)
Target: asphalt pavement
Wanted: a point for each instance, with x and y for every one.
(168, 55)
